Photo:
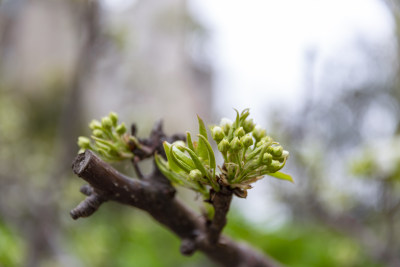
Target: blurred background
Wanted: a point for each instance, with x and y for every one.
(322, 76)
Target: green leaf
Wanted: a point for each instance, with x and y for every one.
(202, 146)
(189, 141)
(183, 159)
(211, 156)
(196, 161)
(163, 167)
(172, 165)
(281, 176)
(180, 163)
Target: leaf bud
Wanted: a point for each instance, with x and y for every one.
(114, 118)
(259, 133)
(223, 146)
(248, 125)
(121, 129)
(217, 134)
(236, 145)
(247, 140)
(240, 132)
(195, 175)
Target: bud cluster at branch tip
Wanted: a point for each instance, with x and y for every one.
(109, 140)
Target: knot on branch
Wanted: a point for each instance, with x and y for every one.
(88, 206)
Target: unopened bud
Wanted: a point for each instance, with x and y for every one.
(248, 125)
(114, 118)
(267, 158)
(95, 124)
(259, 133)
(195, 175)
(240, 132)
(223, 146)
(247, 140)
(83, 142)
(106, 123)
(98, 133)
(226, 125)
(217, 134)
(121, 129)
(236, 145)
(275, 151)
(274, 166)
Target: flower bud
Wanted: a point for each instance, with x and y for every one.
(240, 132)
(114, 118)
(121, 129)
(265, 140)
(248, 125)
(195, 175)
(223, 146)
(83, 142)
(95, 124)
(236, 145)
(97, 133)
(259, 133)
(247, 140)
(226, 125)
(275, 151)
(217, 134)
(267, 159)
(106, 122)
(179, 145)
(274, 166)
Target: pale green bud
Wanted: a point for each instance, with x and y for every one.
(114, 118)
(236, 145)
(247, 140)
(267, 159)
(223, 146)
(97, 133)
(217, 134)
(248, 125)
(265, 140)
(275, 151)
(121, 129)
(274, 166)
(95, 124)
(83, 142)
(226, 125)
(195, 175)
(239, 132)
(106, 123)
(259, 133)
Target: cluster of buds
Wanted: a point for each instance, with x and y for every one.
(109, 140)
(248, 152)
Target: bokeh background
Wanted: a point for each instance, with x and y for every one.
(322, 76)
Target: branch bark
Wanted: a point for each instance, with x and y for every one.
(158, 199)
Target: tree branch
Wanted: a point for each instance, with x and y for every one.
(156, 197)
(221, 201)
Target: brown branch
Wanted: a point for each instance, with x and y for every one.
(221, 201)
(156, 197)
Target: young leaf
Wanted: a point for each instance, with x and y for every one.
(211, 156)
(202, 147)
(181, 164)
(189, 141)
(281, 176)
(196, 161)
(163, 167)
(172, 165)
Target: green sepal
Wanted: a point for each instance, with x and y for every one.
(282, 176)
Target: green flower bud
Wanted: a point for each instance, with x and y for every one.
(83, 142)
(121, 129)
(265, 140)
(247, 140)
(274, 166)
(95, 124)
(259, 133)
(275, 151)
(240, 132)
(226, 125)
(114, 118)
(217, 134)
(106, 123)
(97, 133)
(236, 145)
(267, 159)
(248, 125)
(223, 146)
(195, 175)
